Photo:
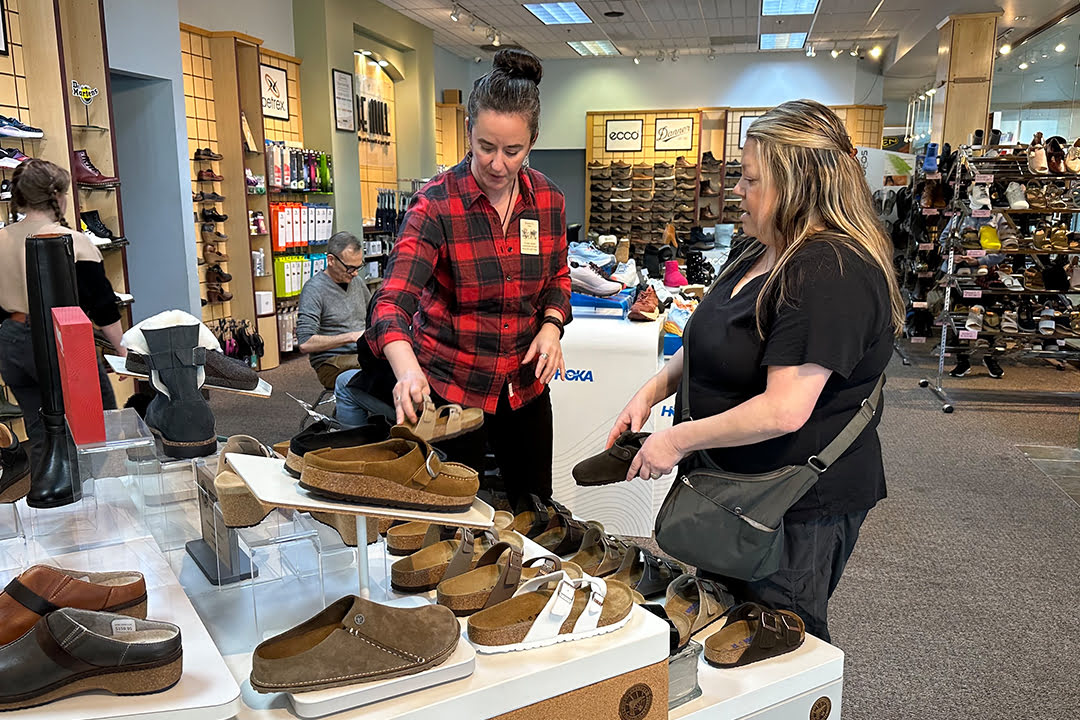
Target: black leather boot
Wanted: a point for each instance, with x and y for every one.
(179, 412)
(50, 274)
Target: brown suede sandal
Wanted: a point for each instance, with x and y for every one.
(407, 538)
(446, 422)
(599, 554)
(694, 603)
(751, 633)
(425, 569)
(495, 578)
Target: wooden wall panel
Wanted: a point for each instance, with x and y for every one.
(377, 154)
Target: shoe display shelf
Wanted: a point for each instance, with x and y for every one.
(992, 169)
(206, 690)
(923, 216)
(118, 365)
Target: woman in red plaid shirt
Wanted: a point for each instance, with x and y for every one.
(477, 289)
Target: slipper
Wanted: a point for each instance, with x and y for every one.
(600, 554)
(1040, 241)
(974, 320)
(1059, 238)
(1047, 326)
(1009, 281)
(495, 578)
(992, 321)
(646, 573)
(446, 422)
(551, 609)
(1033, 279)
(752, 633)
(406, 538)
(694, 603)
(565, 533)
(1009, 323)
(437, 560)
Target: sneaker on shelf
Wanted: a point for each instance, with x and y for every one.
(98, 241)
(12, 157)
(963, 367)
(626, 273)
(978, 196)
(5, 190)
(586, 278)
(585, 253)
(673, 277)
(662, 293)
(646, 307)
(249, 178)
(1016, 194)
(676, 321)
(992, 366)
(14, 128)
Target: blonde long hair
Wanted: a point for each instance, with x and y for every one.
(806, 155)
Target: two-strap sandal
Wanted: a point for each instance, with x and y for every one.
(693, 603)
(445, 422)
(407, 537)
(752, 633)
(647, 573)
(600, 554)
(441, 559)
(496, 578)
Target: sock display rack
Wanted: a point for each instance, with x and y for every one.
(1008, 257)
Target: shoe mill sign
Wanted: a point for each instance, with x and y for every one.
(275, 96)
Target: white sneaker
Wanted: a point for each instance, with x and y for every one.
(587, 279)
(978, 196)
(607, 243)
(626, 273)
(662, 293)
(1016, 194)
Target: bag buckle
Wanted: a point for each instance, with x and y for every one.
(817, 464)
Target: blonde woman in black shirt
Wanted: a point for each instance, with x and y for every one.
(787, 344)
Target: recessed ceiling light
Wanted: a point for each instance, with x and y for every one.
(365, 53)
(1005, 49)
(875, 52)
(788, 7)
(589, 48)
(1018, 18)
(637, 59)
(383, 63)
(660, 56)
(1040, 79)
(558, 13)
(1060, 47)
(455, 13)
(1023, 66)
(782, 41)
(614, 14)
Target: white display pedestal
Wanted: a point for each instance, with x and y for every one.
(206, 690)
(607, 361)
(268, 481)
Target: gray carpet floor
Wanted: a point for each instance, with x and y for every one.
(960, 600)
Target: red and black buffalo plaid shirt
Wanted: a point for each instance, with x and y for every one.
(465, 296)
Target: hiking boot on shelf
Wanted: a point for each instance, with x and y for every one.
(83, 172)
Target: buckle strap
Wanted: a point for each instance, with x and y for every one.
(28, 598)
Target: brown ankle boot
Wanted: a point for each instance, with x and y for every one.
(216, 294)
(211, 254)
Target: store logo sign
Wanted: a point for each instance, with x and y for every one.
(83, 92)
(623, 135)
(674, 134)
(275, 96)
(575, 375)
(667, 411)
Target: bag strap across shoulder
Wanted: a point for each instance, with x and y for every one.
(818, 463)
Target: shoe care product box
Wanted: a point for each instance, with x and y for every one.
(79, 375)
(264, 302)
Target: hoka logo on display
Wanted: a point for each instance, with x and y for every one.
(578, 375)
(667, 411)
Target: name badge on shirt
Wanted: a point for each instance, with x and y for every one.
(529, 230)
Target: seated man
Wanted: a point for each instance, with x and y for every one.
(333, 310)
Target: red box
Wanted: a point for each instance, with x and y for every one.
(79, 375)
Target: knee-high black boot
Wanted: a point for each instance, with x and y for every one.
(50, 275)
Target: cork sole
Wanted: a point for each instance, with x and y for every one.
(468, 593)
(424, 570)
(371, 490)
(503, 627)
(186, 450)
(294, 464)
(726, 646)
(471, 419)
(143, 679)
(408, 538)
(17, 491)
(687, 617)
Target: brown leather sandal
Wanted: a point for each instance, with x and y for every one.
(751, 633)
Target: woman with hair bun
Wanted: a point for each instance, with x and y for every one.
(39, 189)
(787, 344)
(477, 289)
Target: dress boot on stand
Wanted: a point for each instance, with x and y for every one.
(50, 274)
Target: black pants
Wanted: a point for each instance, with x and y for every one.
(19, 371)
(814, 556)
(521, 441)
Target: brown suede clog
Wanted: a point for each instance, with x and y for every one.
(354, 641)
(43, 589)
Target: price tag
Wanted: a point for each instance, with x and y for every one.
(938, 323)
(973, 294)
(984, 178)
(968, 335)
(929, 211)
(1061, 343)
(926, 274)
(981, 213)
(918, 340)
(976, 253)
(933, 176)
(919, 305)
(926, 246)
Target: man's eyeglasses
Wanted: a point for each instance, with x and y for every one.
(351, 269)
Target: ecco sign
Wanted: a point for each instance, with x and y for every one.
(275, 95)
(623, 135)
(575, 375)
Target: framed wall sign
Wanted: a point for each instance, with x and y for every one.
(744, 124)
(674, 134)
(344, 109)
(3, 30)
(623, 135)
(275, 96)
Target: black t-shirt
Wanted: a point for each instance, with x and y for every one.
(836, 315)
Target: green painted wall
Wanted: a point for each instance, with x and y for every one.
(327, 34)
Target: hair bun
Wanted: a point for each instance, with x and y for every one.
(518, 63)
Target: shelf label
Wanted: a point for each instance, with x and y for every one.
(950, 213)
(981, 213)
(968, 335)
(918, 340)
(926, 246)
(1061, 343)
(926, 274)
(933, 176)
(976, 253)
(984, 178)
(929, 211)
(973, 294)
(919, 305)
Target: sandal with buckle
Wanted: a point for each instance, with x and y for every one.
(753, 633)
(496, 578)
(446, 422)
(405, 538)
(693, 603)
(648, 574)
(441, 559)
(600, 554)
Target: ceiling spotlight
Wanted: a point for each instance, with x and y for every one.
(1040, 79)
(365, 53)
(675, 55)
(455, 13)
(1018, 18)
(931, 91)
(496, 41)
(1005, 49)
(875, 52)
(835, 53)
(1060, 47)
(660, 56)
(854, 52)
(712, 55)
(472, 25)
(810, 52)
(922, 96)
(1023, 66)
(490, 34)
(637, 59)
